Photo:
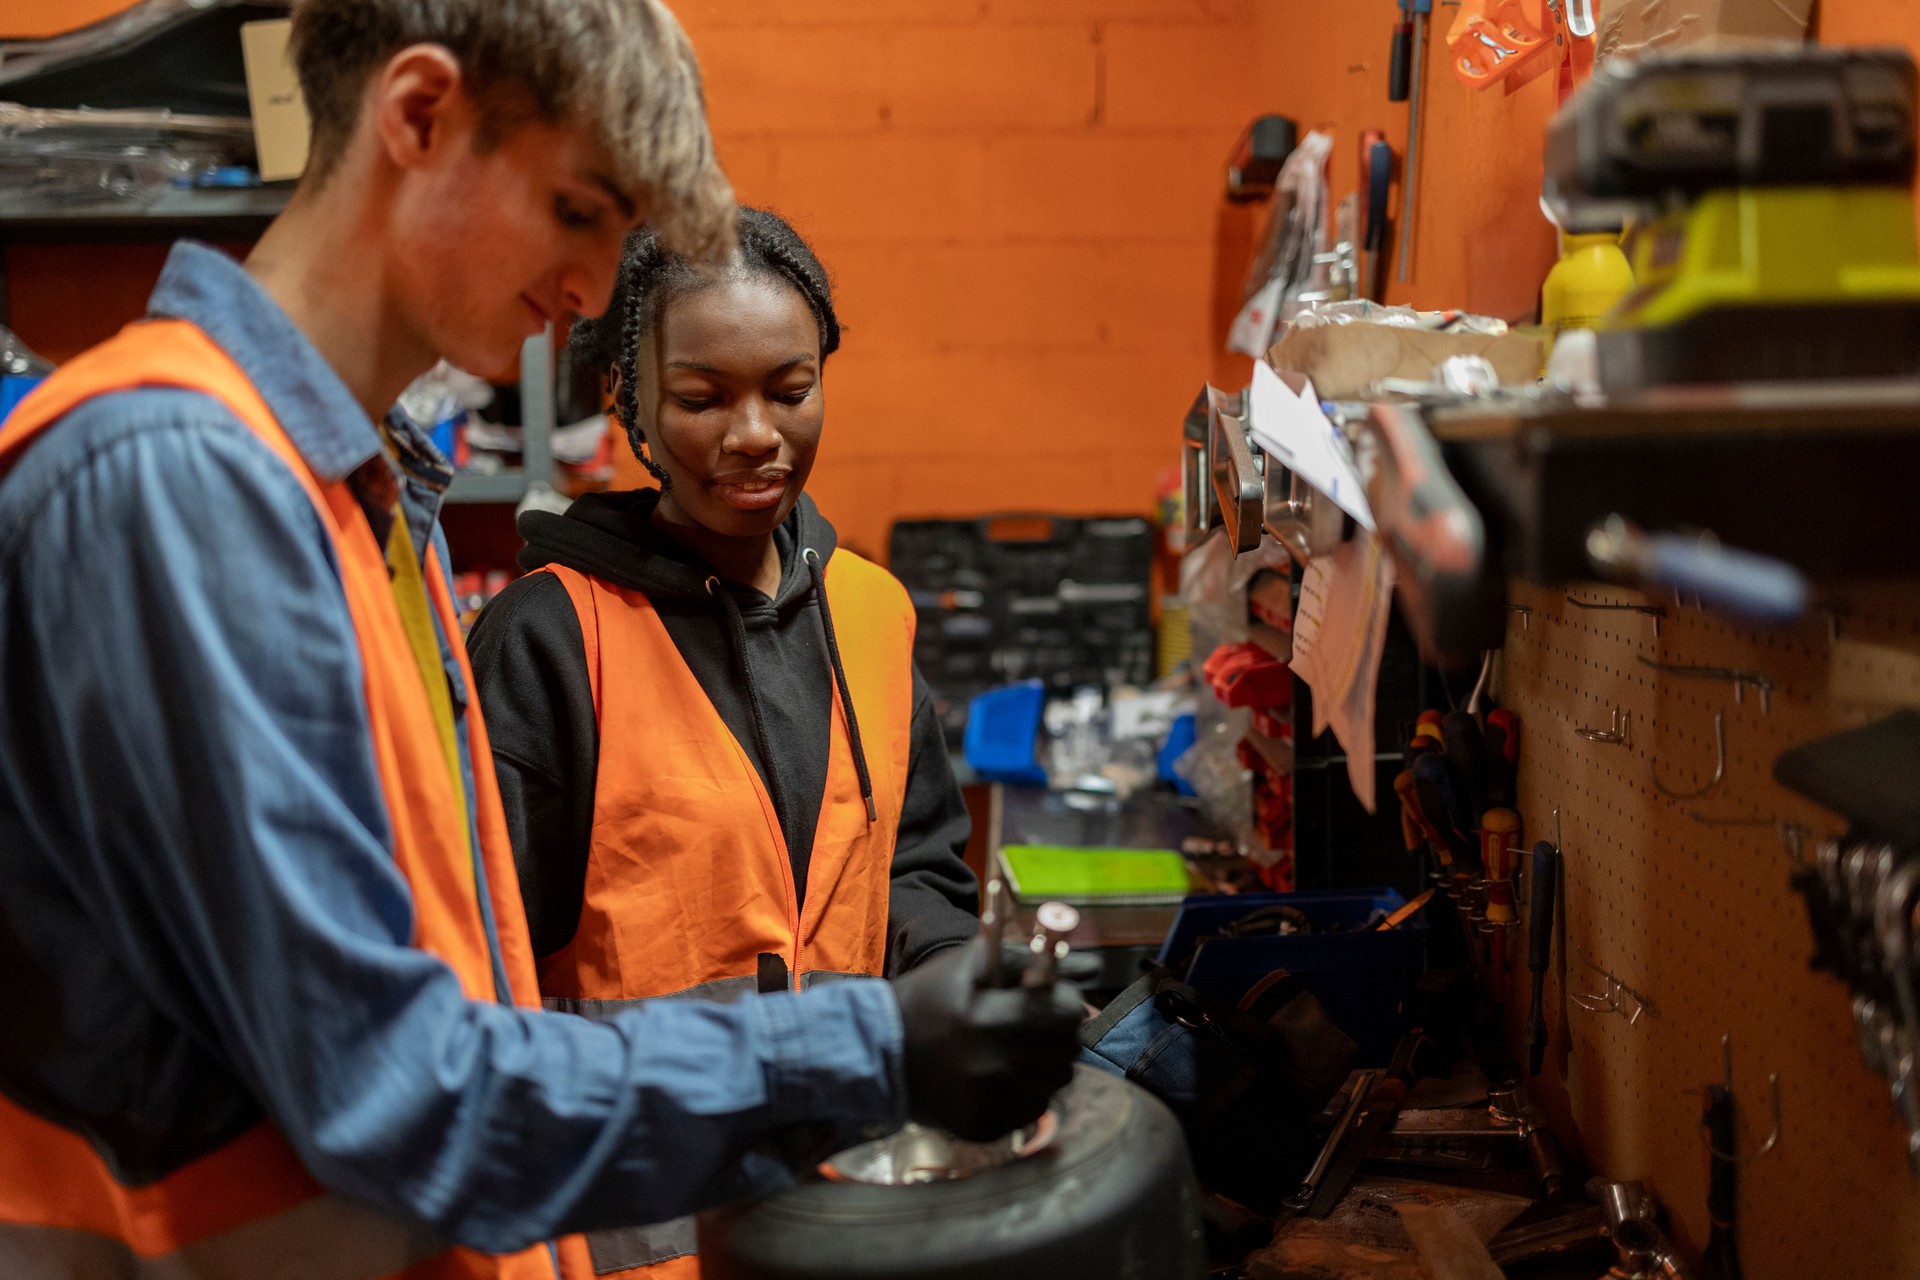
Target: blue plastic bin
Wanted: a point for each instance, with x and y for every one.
(1003, 733)
(1361, 976)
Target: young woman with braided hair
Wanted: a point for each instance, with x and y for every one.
(722, 772)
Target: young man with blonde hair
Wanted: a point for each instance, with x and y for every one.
(269, 996)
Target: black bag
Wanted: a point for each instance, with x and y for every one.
(1245, 1080)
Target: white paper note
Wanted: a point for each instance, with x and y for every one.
(1292, 428)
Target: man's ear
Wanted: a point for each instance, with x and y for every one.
(419, 104)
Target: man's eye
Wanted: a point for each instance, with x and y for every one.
(573, 217)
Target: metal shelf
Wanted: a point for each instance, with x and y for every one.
(212, 213)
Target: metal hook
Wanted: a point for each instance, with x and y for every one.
(1616, 735)
(1739, 679)
(1606, 1000)
(1526, 614)
(1654, 611)
(1719, 765)
(1793, 835)
(1773, 1086)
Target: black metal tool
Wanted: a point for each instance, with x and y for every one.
(1303, 1196)
(1546, 872)
(1467, 752)
(1383, 1102)
(1723, 1241)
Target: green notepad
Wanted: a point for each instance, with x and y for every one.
(1100, 875)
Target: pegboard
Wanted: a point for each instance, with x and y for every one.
(1700, 919)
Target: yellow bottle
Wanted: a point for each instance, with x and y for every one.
(1591, 276)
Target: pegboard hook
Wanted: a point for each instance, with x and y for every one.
(1773, 1087)
(1615, 735)
(1719, 765)
(1739, 679)
(1654, 611)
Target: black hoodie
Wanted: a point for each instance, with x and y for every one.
(530, 665)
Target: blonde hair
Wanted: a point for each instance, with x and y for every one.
(623, 68)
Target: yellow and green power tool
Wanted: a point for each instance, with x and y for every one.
(1772, 198)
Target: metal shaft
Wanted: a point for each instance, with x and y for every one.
(1411, 181)
(1296, 1204)
(993, 925)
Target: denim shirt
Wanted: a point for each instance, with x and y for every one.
(202, 924)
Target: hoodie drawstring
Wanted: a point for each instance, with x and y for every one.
(737, 631)
(840, 678)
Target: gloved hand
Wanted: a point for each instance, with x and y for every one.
(981, 1062)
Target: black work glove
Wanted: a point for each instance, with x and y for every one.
(983, 1061)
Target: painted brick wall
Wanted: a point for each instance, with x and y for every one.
(1018, 202)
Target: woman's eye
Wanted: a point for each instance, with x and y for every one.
(694, 404)
(794, 397)
(570, 216)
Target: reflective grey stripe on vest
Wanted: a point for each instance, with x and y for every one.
(325, 1238)
(720, 990)
(631, 1247)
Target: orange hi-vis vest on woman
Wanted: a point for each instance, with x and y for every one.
(689, 888)
(250, 1210)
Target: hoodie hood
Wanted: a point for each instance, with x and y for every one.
(611, 536)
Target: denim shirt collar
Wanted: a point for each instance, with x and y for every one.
(320, 416)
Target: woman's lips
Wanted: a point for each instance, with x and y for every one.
(752, 493)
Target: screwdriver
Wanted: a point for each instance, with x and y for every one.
(1376, 177)
(1546, 870)
(1443, 803)
(1503, 758)
(1499, 836)
(1414, 818)
(1400, 60)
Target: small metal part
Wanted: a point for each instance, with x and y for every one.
(1054, 921)
(1773, 1084)
(1614, 736)
(993, 925)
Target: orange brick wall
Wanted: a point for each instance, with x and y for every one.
(1018, 203)
(1018, 200)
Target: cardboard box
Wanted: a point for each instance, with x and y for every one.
(280, 125)
(1629, 27)
(1345, 360)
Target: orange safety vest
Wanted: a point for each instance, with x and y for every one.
(688, 878)
(250, 1209)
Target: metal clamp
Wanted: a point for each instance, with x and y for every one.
(1719, 765)
(1615, 735)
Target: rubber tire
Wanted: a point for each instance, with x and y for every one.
(1112, 1198)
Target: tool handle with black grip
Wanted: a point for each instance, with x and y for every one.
(1400, 65)
(1723, 1239)
(1546, 872)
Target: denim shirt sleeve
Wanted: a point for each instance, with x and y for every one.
(208, 794)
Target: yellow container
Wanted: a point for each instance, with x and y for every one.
(1588, 281)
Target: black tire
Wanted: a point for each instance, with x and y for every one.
(1111, 1198)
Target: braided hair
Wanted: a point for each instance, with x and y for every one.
(652, 276)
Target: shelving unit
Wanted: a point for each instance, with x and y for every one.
(241, 214)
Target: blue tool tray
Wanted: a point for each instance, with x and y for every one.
(1360, 976)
